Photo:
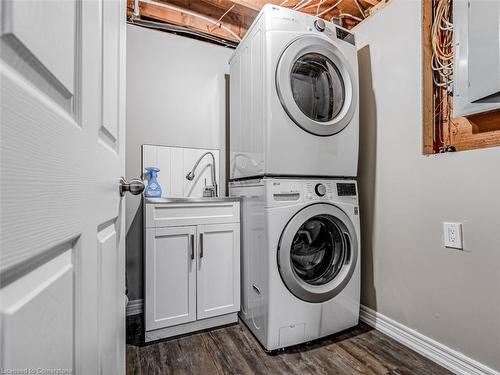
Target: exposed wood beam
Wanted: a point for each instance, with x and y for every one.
(207, 8)
(238, 8)
(238, 15)
(346, 6)
(180, 18)
(252, 4)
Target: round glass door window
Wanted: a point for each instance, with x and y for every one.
(318, 250)
(317, 253)
(317, 87)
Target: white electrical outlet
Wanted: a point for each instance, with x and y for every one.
(453, 235)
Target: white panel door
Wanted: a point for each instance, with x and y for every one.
(62, 284)
(170, 276)
(218, 277)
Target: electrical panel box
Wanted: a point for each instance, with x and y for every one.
(476, 71)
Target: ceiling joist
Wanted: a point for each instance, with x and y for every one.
(230, 19)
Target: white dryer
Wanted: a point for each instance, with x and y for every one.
(294, 98)
(300, 258)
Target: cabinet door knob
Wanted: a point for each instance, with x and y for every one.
(201, 245)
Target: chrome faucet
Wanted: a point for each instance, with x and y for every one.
(211, 190)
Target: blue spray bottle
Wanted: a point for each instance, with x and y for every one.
(153, 189)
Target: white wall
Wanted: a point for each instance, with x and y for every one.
(451, 296)
(175, 97)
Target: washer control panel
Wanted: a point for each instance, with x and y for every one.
(318, 189)
(285, 191)
(329, 190)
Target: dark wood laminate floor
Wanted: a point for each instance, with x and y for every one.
(234, 350)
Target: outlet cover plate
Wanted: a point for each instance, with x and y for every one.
(452, 233)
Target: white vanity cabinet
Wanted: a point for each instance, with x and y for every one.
(218, 270)
(192, 265)
(170, 276)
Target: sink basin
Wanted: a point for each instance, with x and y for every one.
(190, 200)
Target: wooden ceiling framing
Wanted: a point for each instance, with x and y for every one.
(230, 19)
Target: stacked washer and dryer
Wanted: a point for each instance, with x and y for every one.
(293, 161)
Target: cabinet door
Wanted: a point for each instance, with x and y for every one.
(218, 277)
(170, 276)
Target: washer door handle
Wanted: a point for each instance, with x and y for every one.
(347, 239)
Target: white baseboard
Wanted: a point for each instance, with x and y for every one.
(452, 360)
(134, 307)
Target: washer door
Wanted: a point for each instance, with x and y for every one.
(317, 252)
(316, 86)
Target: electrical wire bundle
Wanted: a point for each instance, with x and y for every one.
(442, 44)
(442, 68)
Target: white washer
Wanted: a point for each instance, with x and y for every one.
(294, 98)
(300, 258)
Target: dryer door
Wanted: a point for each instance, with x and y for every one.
(317, 253)
(316, 85)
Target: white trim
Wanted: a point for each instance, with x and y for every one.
(454, 361)
(134, 307)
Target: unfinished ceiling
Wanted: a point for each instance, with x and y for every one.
(230, 19)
